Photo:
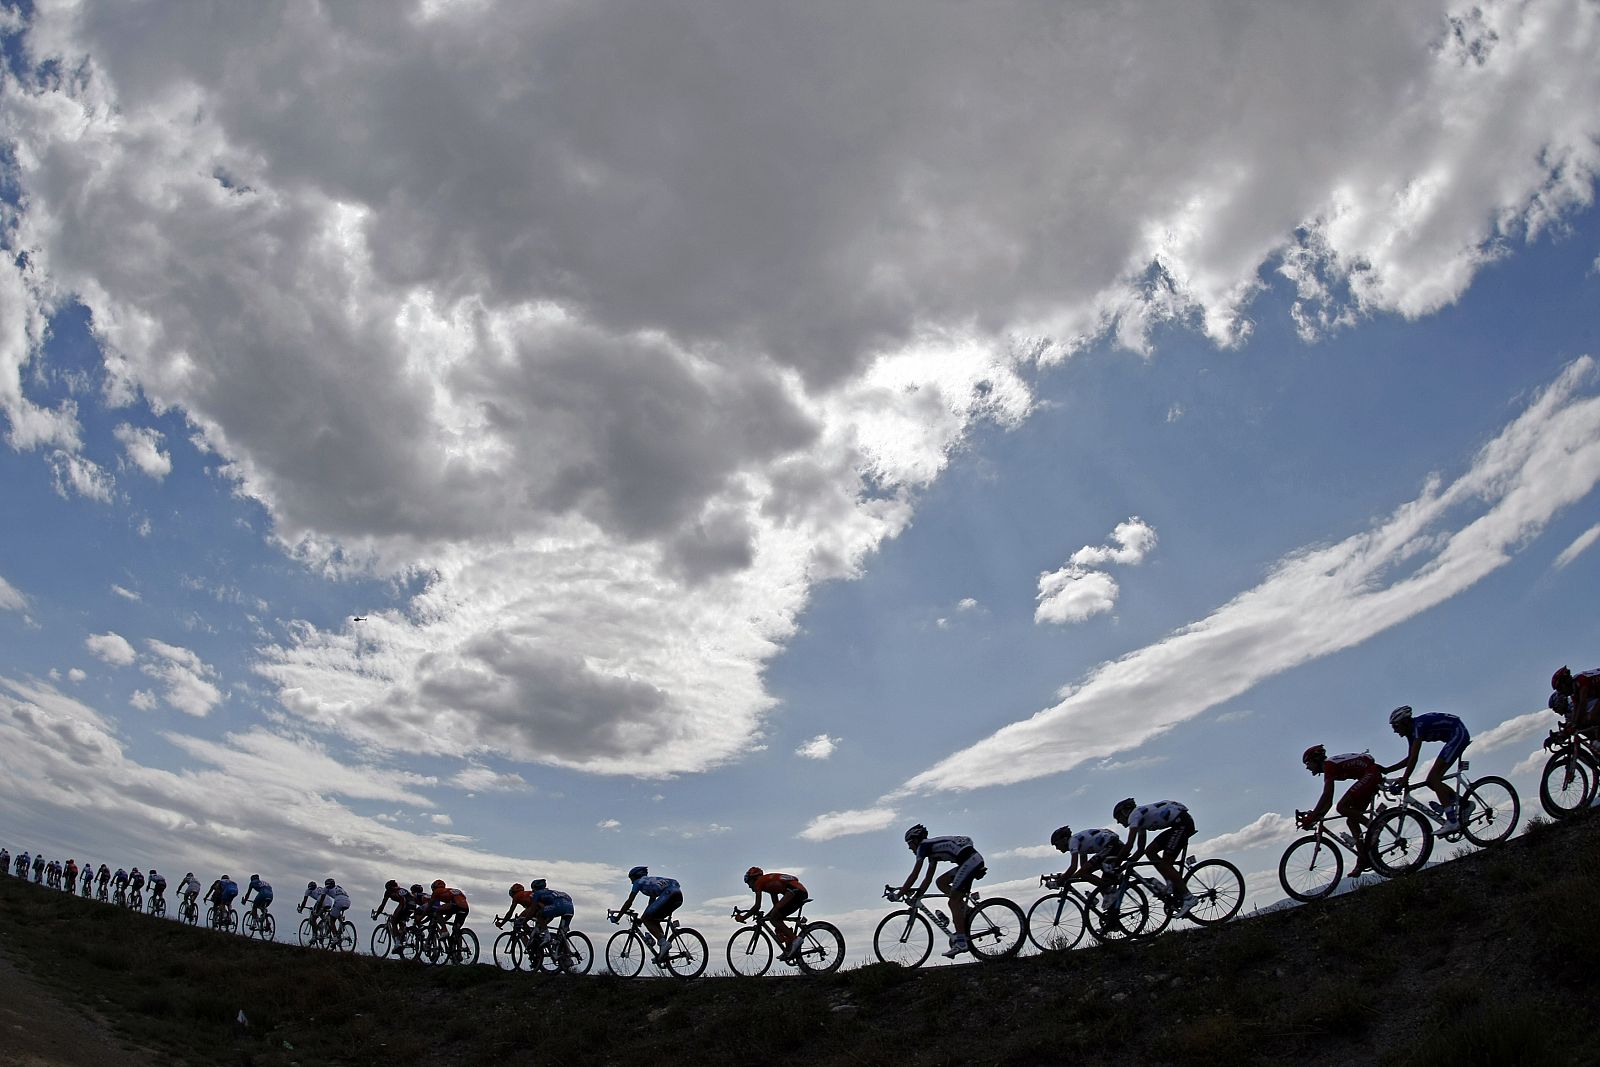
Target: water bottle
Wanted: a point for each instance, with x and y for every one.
(942, 919)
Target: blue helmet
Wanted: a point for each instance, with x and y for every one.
(638, 873)
(537, 884)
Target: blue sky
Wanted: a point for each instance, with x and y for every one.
(735, 470)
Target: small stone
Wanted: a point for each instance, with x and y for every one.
(1119, 997)
(842, 1009)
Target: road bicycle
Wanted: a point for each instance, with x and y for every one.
(318, 930)
(259, 924)
(1401, 838)
(120, 897)
(995, 928)
(1312, 866)
(101, 896)
(1216, 885)
(435, 940)
(1058, 921)
(188, 911)
(1571, 775)
(223, 920)
(88, 886)
(135, 900)
(389, 937)
(561, 950)
(158, 905)
(627, 950)
(817, 948)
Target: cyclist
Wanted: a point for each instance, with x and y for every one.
(788, 895)
(136, 880)
(552, 904)
(666, 897)
(222, 893)
(50, 874)
(1090, 851)
(120, 883)
(1433, 726)
(954, 883)
(1176, 827)
(23, 862)
(38, 869)
(314, 895)
(521, 897)
(103, 876)
(88, 877)
(70, 871)
(263, 895)
(158, 890)
(188, 889)
(1582, 693)
(448, 904)
(405, 902)
(1357, 767)
(5, 861)
(337, 901)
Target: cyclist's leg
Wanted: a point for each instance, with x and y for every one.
(1354, 805)
(791, 902)
(656, 915)
(1447, 759)
(956, 883)
(1164, 850)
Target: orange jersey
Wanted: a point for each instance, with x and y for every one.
(524, 900)
(778, 884)
(450, 898)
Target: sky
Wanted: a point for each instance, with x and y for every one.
(494, 441)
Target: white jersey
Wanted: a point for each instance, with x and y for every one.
(1093, 842)
(951, 849)
(1156, 816)
(189, 886)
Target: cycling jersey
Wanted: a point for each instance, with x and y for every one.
(1088, 843)
(653, 887)
(778, 884)
(952, 849)
(403, 902)
(1157, 816)
(448, 900)
(158, 885)
(1349, 766)
(121, 877)
(263, 892)
(1434, 726)
(227, 891)
(189, 886)
(552, 902)
(525, 901)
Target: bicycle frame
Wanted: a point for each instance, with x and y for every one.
(636, 921)
(1403, 788)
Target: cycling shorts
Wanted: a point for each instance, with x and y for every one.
(1454, 747)
(968, 871)
(556, 911)
(227, 899)
(664, 905)
(263, 899)
(1171, 840)
(1358, 797)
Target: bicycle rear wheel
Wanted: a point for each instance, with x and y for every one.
(575, 953)
(1220, 889)
(267, 928)
(821, 948)
(462, 950)
(749, 952)
(1055, 923)
(1491, 808)
(689, 955)
(625, 954)
(1130, 919)
(1568, 783)
(1311, 868)
(904, 938)
(995, 929)
(1399, 842)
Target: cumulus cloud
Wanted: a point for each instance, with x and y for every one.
(143, 446)
(672, 349)
(477, 778)
(1316, 602)
(144, 700)
(841, 823)
(1270, 829)
(819, 747)
(1513, 730)
(76, 674)
(188, 681)
(1076, 591)
(10, 598)
(111, 647)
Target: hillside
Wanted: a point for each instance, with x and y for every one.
(1492, 960)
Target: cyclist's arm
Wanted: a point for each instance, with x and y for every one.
(1324, 802)
(1073, 867)
(905, 887)
(626, 904)
(1409, 763)
(1134, 854)
(244, 901)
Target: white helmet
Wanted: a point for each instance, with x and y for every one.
(1400, 715)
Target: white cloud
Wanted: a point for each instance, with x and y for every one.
(1031, 852)
(144, 700)
(187, 678)
(842, 823)
(441, 819)
(819, 747)
(967, 604)
(126, 594)
(1131, 542)
(1579, 544)
(480, 779)
(715, 332)
(1174, 413)
(1075, 592)
(10, 598)
(1270, 829)
(111, 647)
(76, 674)
(608, 824)
(1515, 729)
(1316, 602)
(143, 445)
(76, 474)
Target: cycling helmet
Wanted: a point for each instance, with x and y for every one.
(391, 884)
(916, 835)
(1561, 681)
(516, 887)
(1121, 811)
(438, 884)
(1313, 757)
(1060, 838)
(416, 889)
(1560, 704)
(253, 877)
(225, 878)
(189, 875)
(310, 886)
(637, 873)
(752, 874)
(330, 883)
(1400, 715)
(537, 884)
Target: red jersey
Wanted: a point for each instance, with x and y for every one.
(449, 899)
(778, 884)
(1350, 766)
(524, 900)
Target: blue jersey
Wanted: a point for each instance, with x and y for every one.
(228, 889)
(554, 898)
(653, 887)
(1435, 726)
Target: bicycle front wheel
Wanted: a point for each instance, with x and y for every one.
(1568, 783)
(1399, 842)
(1129, 919)
(995, 929)
(749, 952)
(1491, 809)
(574, 953)
(904, 938)
(821, 948)
(1219, 891)
(689, 954)
(625, 954)
(379, 942)
(1055, 923)
(463, 950)
(1311, 868)
(507, 951)
(307, 933)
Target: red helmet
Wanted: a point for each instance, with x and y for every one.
(1561, 681)
(438, 884)
(752, 874)
(1314, 754)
